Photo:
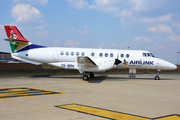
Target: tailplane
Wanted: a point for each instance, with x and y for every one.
(15, 38)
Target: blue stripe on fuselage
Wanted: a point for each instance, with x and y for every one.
(31, 46)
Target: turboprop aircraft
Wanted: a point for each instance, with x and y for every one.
(87, 61)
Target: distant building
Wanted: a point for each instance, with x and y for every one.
(6, 58)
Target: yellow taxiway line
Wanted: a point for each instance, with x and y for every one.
(112, 114)
(25, 92)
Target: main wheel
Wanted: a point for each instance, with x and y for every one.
(85, 77)
(91, 75)
(157, 78)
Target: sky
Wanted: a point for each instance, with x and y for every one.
(152, 25)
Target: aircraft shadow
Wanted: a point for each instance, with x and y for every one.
(100, 78)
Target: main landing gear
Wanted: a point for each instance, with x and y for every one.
(85, 76)
(157, 75)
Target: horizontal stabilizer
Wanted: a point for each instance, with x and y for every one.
(13, 40)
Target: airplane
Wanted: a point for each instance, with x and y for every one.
(86, 61)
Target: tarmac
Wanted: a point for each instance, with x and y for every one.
(100, 98)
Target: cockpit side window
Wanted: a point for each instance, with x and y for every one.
(148, 55)
(144, 55)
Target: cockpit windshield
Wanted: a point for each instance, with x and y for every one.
(148, 55)
(151, 54)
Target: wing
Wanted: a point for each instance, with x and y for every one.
(85, 62)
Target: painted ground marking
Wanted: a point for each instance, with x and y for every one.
(25, 92)
(112, 114)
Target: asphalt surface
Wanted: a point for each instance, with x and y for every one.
(39, 98)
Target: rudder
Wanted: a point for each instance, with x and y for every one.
(15, 38)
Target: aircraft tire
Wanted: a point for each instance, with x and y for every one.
(157, 78)
(91, 75)
(85, 77)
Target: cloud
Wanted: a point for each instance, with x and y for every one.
(41, 33)
(79, 4)
(162, 46)
(98, 4)
(113, 45)
(142, 39)
(123, 13)
(40, 2)
(111, 9)
(104, 2)
(24, 12)
(56, 42)
(40, 27)
(161, 28)
(176, 24)
(71, 43)
(138, 5)
(103, 45)
(84, 31)
(164, 18)
(173, 37)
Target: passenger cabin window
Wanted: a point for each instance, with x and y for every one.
(111, 55)
(82, 54)
(67, 53)
(72, 53)
(77, 53)
(62, 53)
(92, 54)
(106, 55)
(100, 54)
(122, 55)
(127, 55)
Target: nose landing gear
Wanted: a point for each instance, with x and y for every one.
(157, 75)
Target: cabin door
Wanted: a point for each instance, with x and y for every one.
(56, 56)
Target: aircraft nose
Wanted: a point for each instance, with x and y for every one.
(174, 67)
(166, 65)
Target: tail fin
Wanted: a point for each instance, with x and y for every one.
(13, 33)
(15, 38)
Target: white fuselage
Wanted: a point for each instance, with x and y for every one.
(103, 58)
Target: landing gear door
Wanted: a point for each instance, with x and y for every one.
(56, 56)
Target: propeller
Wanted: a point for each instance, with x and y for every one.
(117, 61)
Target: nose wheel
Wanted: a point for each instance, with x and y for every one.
(156, 78)
(157, 75)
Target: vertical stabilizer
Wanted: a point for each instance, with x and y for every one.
(15, 38)
(13, 33)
